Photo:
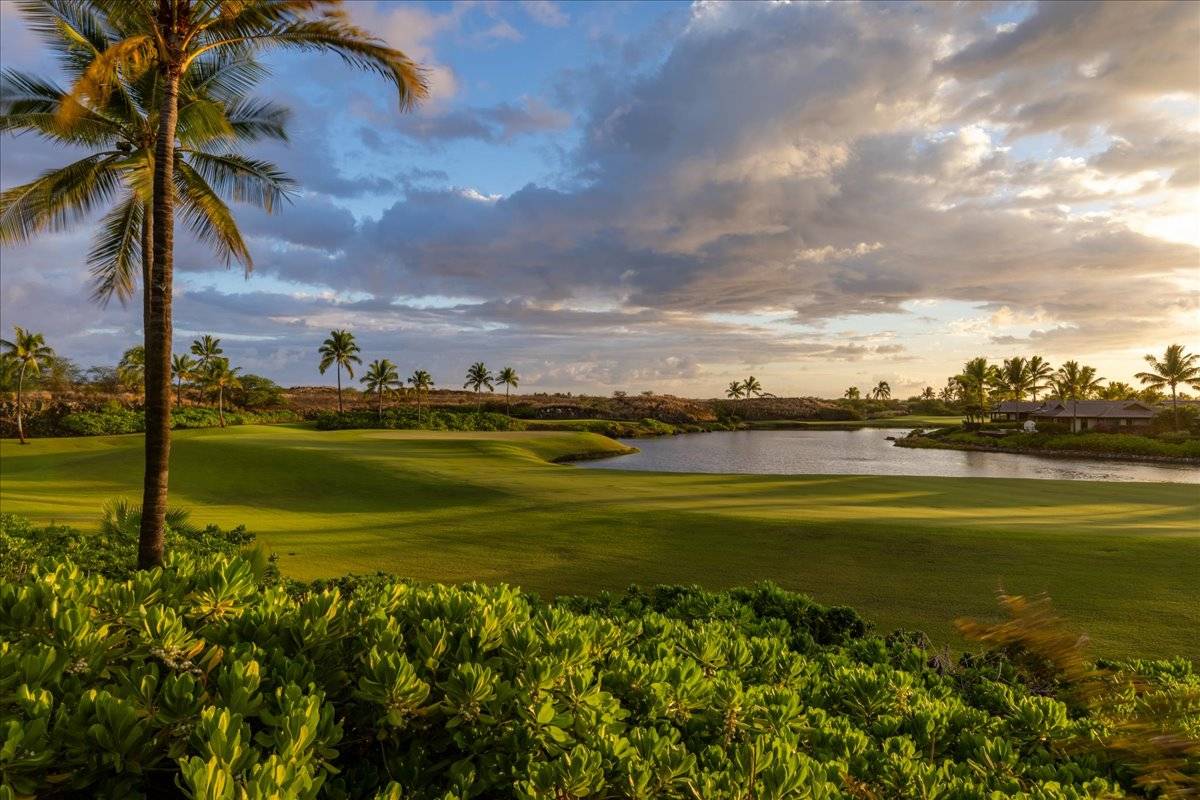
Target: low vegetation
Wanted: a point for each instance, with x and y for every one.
(212, 679)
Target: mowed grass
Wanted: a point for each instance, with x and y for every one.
(1120, 560)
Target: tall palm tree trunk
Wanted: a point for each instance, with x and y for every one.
(221, 404)
(381, 405)
(20, 393)
(158, 326)
(1174, 408)
(179, 393)
(339, 374)
(147, 269)
(507, 403)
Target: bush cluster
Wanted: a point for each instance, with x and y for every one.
(116, 419)
(204, 679)
(1107, 443)
(407, 418)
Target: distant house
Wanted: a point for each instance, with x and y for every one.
(1083, 415)
(1015, 410)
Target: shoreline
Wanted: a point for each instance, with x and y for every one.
(593, 455)
(925, 443)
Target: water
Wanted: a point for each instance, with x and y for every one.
(865, 452)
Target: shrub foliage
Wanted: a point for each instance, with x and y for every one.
(210, 679)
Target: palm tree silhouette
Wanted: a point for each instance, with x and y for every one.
(131, 369)
(28, 350)
(1075, 382)
(381, 376)
(183, 368)
(220, 376)
(751, 387)
(882, 391)
(1040, 373)
(1175, 367)
(977, 377)
(479, 376)
(509, 378)
(734, 391)
(341, 350)
(852, 393)
(205, 349)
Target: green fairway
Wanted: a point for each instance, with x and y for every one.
(1121, 560)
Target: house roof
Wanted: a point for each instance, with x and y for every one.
(1102, 409)
(1018, 406)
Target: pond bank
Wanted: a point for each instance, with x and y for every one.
(927, 443)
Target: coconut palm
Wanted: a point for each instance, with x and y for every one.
(1040, 373)
(951, 391)
(928, 393)
(882, 391)
(1075, 382)
(28, 350)
(479, 376)
(1118, 390)
(1175, 367)
(131, 369)
(183, 370)
(734, 391)
(205, 349)
(176, 38)
(751, 387)
(215, 115)
(510, 380)
(1014, 378)
(341, 350)
(381, 377)
(219, 376)
(976, 379)
(421, 381)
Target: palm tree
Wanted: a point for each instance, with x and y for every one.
(1176, 366)
(205, 349)
(1015, 378)
(381, 376)
(131, 369)
(1040, 373)
(421, 381)
(882, 391)
(220, 376)
(1118, 390)
(175, 38)
(479, 376)
(951, 391)
(27, 349)
(853, 393)
(509, 378)
(977, 377)
(340, 349)
(751, 387)
(734, 391)
(183, 368)
(1075, 382)
(928, 393)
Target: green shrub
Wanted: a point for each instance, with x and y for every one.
(406, 418)
(100, 423)
(204, 680)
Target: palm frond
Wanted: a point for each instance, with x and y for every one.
(253, 119)
(209, 218)
(244, 180)
(128, 59)
(30, 104)
(116, 256)
(227, 76)
(59, 198)
(202, 121)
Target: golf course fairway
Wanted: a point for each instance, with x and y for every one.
(1121, 561)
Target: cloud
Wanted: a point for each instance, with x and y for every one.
(545, 12)
(500, 123)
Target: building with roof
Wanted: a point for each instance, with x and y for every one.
(1015, 410)
(1084, 415)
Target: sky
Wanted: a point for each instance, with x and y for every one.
(669, 196)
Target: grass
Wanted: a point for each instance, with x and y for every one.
(906, 421)
(1119, 559)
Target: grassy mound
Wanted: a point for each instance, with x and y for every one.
(201, 679)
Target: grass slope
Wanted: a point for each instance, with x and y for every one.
(1119, 559)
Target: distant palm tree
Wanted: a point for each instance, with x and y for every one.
(1118, 390)
(219, 376)
(977, 377)
(1040, 373)
(339, 349)
(479, 376)
(853, 393)
(734, 391)
(381, 377)
(421, 381)
(928, 393)
(27, 349)
(509, 379)
(205, 349)
(951, 391)
(131, 369)
(1075, 382)
(183, 368)
(882, 391)
(1176, 366)
(751, 387)
(1015, 378)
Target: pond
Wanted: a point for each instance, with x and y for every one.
(865, 452)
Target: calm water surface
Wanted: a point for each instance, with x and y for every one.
(864, 452)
